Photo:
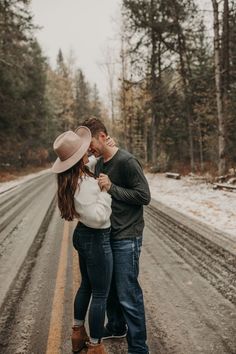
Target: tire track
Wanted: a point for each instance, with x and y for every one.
(210, 260)
(22, 231)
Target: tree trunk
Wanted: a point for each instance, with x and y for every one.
(187, 92)
(225, 50)
(109, 68)
(225, 69)
(123, 92)
(154, 118)
(218, 83)
(201, 147)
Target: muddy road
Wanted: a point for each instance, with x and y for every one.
(187, 273)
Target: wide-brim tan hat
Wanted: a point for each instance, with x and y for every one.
(70, 147)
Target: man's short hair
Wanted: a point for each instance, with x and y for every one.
(95, 125)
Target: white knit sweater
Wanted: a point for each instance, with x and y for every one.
(93, 205)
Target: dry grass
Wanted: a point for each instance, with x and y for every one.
(10, 174)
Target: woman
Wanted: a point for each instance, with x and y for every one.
(79, 196)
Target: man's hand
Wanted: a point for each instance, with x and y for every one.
(104, 182)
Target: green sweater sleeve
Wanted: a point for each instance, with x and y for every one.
(138, 192)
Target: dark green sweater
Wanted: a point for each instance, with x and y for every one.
(129, 193)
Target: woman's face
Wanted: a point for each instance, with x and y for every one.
(85, 158)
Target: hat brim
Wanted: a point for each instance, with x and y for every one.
(61, 166)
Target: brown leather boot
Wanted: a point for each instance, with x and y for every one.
(79, 338)
(96, 348)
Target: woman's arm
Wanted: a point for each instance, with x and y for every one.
(99, 212)
(93, 205)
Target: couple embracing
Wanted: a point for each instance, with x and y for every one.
(107, 199)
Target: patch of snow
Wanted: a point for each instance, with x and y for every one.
(196, 199)
(5, 186)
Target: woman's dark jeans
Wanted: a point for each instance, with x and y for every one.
(96, 265)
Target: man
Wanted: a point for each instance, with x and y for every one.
(122, 176)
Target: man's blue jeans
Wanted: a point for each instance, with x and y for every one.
(125, 301)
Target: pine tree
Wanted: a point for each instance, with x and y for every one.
(65, 97)
(82, 97)
(95, 103)
(22, 83)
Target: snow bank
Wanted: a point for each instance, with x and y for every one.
(196, 199)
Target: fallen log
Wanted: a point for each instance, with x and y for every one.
(173, 175)
(222, 179)
(232, 180)
(224, 185)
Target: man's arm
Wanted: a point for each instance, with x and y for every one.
(138, 193)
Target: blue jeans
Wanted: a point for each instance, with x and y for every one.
(125, 301)
(96, 263)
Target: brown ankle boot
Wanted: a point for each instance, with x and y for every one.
(96, 349)
(79, 338)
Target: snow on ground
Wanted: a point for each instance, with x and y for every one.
(196, 199)
(4, 186)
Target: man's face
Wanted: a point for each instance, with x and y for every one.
(97, 144)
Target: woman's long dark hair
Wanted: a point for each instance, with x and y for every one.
(67, 182)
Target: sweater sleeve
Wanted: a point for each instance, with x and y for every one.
(138, 192)
(97, 213)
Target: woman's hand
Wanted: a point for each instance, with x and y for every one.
(104, 182)
(110, 141)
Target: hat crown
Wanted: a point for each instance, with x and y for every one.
(67, 144)
(70, 147)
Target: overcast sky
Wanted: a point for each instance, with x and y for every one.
(86, 26)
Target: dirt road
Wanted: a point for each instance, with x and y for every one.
(188, 283)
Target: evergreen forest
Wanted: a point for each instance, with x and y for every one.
(174, 105)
